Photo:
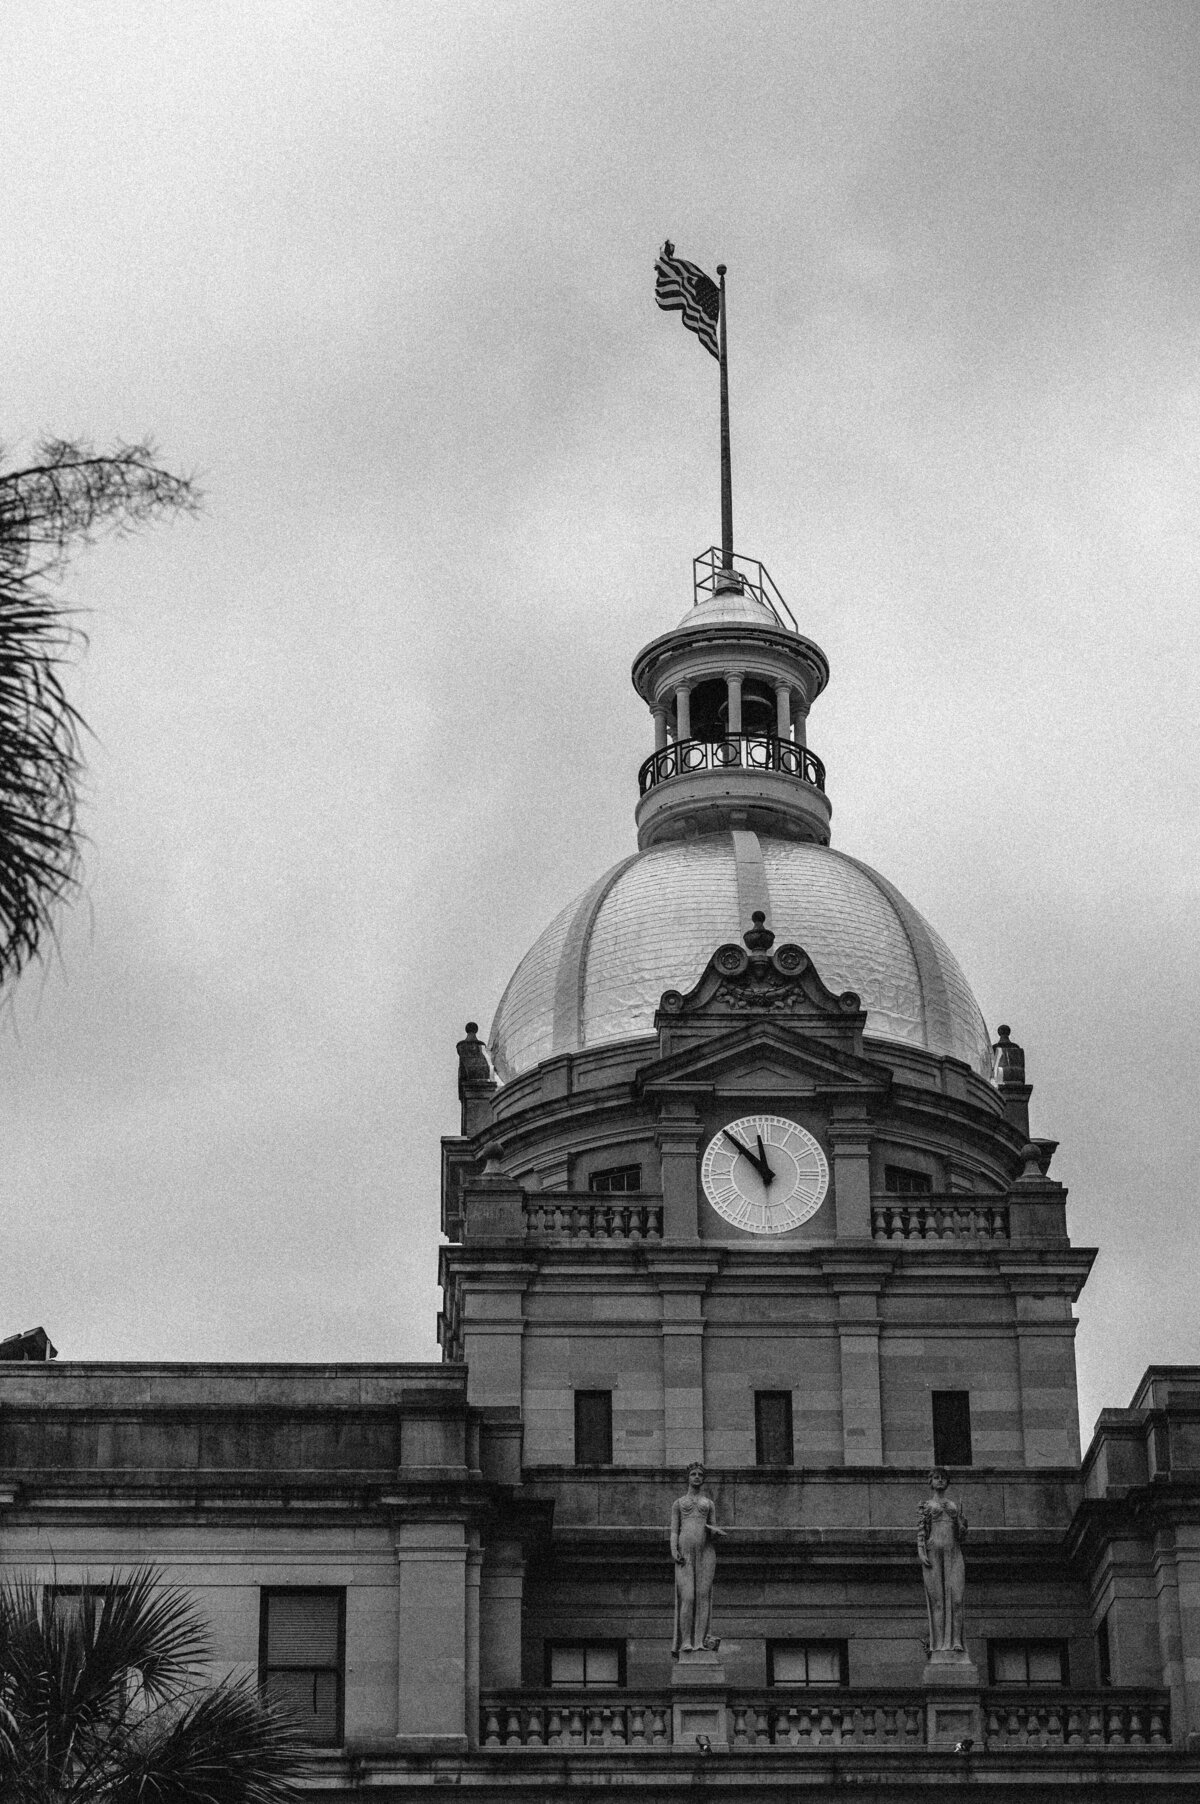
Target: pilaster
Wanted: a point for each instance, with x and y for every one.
(501, 1596)
(678, 1139)
(857, 1286)
(433, 1647)
(472, 1640)
(850, 1139)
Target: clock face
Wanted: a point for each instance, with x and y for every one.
(764, 1174)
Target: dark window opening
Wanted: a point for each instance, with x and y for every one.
(1027, 1662)
(709, 710)
(302, 1658)
(773, 1428)
(760, 718)
(593, 1428)
(901, 1180)
(585, 1663)
(616, 1177)
(951, 1428)
(808, 1663)
(1103, 1654)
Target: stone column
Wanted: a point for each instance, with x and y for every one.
(660, 729)
(733, 683)
(432, 1680)
(683, 712)
(799, 720)
(783, 710)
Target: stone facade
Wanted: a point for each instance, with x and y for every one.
(494, 1529)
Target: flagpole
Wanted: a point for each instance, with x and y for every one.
(726, 469)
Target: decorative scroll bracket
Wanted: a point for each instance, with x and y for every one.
(760, 978)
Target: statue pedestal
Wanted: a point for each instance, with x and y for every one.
(698, 1708)
(954, 1713)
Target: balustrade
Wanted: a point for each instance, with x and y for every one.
(1101, 1719)
(930, 1218)
(845, 1720)
(619, 1215)
(575, 1720)
(876, 1721)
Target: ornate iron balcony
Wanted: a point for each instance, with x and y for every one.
(742, 751)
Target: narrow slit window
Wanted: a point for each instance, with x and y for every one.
(951, 1428)
(593, 1428)
(773, 1428)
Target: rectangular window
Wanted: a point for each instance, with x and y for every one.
(1027, 1662)
(616, 1177)
(302, 1657)
(593, 1428)
(773, 1428)
(951, 1428)
(585, 1663)
(901, 1180)
(808, 1663)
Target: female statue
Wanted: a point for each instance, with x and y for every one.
(693, 1526)
(941, 1531)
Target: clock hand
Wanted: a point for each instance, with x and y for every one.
(760, 1165)
(767, 1173)
(734, 1141)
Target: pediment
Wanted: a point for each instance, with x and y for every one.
(764, 1058)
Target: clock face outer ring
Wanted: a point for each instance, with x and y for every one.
(736, 1191)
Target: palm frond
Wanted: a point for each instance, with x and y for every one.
(228, 1746)
(65, 498)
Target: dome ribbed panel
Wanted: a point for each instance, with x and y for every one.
(658, 927)
(970, 1030)
(523, 1027)
(850, 931)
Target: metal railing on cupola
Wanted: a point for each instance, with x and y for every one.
(711, 574)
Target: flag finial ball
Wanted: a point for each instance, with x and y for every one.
(720, 269)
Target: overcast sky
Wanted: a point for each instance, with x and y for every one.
(382, 275)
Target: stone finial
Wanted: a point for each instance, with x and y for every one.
(759, 937)
(1032, 1172)
(473, 1067)
(1008, 1059)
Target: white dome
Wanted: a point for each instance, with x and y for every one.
(651, 924)
(730, 607)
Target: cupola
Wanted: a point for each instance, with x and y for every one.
(729, 690)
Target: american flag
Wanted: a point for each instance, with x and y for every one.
(681, 287)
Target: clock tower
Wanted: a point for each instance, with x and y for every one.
(742, 1179)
